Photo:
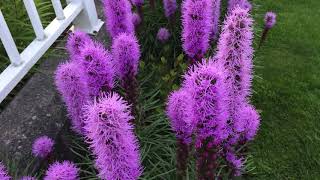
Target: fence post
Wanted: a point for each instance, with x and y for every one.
(88, 20)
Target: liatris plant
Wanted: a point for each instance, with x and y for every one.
(163, 35)
(98, 68)
(28, 178)
(269, 22)
(76, 42)
(235, 57)
(65, 170)
(205, 83)
(3, 173)
(197, 26)
(136, 19)
(72, 85)
(181, 115)
(111, 138)
(126, 55)
(42, 147)
(118, 16)
(244, 4)
(216, 4)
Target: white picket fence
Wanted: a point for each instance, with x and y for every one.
(83, 15)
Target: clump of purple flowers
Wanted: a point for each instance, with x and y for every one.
(269, 22)
(126, 55)
(170, 7)
(98, 67)
(65, 170)
(76, 42)
(197, 26)
(205, 84)
(216, 4)
(28, 178)
(42, 147)
(3, 173)
(72, 85)
(112, 139)
(163, 35)
(118, 16)
(180, 112)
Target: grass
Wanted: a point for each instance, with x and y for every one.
(287, 146)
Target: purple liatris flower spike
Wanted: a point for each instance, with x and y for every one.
(98, 67)
(170, 7)
(111, 138)
(181, 115)
(249, 124)
(216, 5)
(3, 173)
(118, 16)
(197, 26)
(65, 170)
(270, 19)
(28, 178)
(76, 42)
(42, 147)
(163, 35)
(136, 19)
(205, 83)
(244, 4)
(73, 87)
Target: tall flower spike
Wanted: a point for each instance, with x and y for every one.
(270, 20)
(3, 173)
(197, 26)
(206, 85)
(111, 138)
(76, 42)
(118, 16)
(244, 4)
(73, 87)
(170, 7)
(163, 35)
(65, 170)
(98, 67)
(216, 4)
(42, 147)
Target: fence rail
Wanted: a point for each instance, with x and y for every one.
(83, 15)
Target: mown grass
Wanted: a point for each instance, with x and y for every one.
(287, 146)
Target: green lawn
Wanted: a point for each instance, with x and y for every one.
(288, 144)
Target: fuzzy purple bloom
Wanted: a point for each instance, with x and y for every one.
(42, 147)
(126, 55)
(163, 35)
(98, 67)
(72, 85)
(249, 123)
(270, 19)
(137, 3)
(3, 173)
(118, 16)
(76, 42)
(28, 178)
(216, 4)
(65, 170)
(111, 138)
(136, 19)
(244, 4)
(197, 26)
(181, 115)
(170, 7)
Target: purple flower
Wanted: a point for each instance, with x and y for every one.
(118, 16)
(76, 42)
(3, 173)
(249, 123)
(98, 67)
(137, 3)
(65, 170)
(244, 4)
(170, 7)
(42, 146)
(126, 55)
(204, 82)
(197, 26)
(181, 114)
(111, 138)
(270, 19)
(28, 178)
(136, 19)
(216, 4)
(163, 35)
(72, 85)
